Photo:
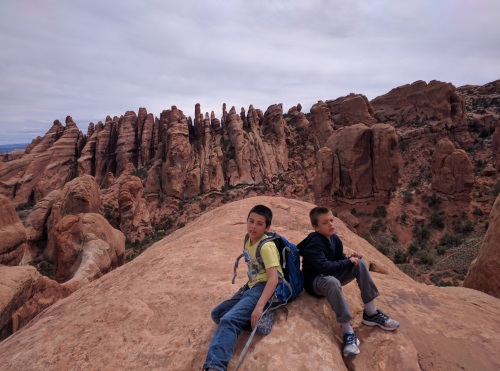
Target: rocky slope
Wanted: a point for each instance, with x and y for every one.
(153, 313)
(414, 171)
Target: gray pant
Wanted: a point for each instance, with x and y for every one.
(331, 287)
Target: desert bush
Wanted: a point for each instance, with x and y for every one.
(413, 248)
(399, 257)
(407, 197)
(437, 220)
(380, 212)
(425, 258)
(422, 233)
(464, 226)
(450, 240)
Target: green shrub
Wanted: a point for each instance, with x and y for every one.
(425, 258)
(422, 233)
(464, 226)
(376, 226)
(413, 248)
(399, 257)
(441, 250)
(407, 197)
(437, 219)
(380, 212)
(450, 240)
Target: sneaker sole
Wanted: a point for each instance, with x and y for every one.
(370, 323)
(353, 353)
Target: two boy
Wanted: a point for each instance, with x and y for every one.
(325, 268)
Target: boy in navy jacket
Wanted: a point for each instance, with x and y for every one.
(326, 269)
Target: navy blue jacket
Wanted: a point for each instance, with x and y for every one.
(321, 255)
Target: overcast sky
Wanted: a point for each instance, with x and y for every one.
(92, 58)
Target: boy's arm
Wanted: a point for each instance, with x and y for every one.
(272, 282)
(314, 254)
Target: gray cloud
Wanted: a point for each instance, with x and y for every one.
(89, 59)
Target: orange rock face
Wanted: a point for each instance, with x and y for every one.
(23, 294)
(134, 215)
(452, 170)
(12, 234)
(352, 109)
(85, 248)
(47, 166)
(483, 272)
(155, 313)
(361, 161)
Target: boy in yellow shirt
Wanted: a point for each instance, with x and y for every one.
(245, 308)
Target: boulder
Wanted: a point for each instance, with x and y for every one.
(86, 246)
(483, 272)
(452, 171)
(154, 312)
(352, 145)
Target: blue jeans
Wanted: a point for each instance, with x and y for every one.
(232, 316)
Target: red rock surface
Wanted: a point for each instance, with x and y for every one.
(23, 294)
(483, 272)
(12, 234)
(47, 166)
(154, 312)
(86, 246)
(452, 170)
(352, 109)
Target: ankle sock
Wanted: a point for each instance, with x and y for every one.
(346, 327)
(370, 308)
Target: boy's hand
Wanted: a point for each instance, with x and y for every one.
(257, 312)
(356, 254)
(354, 260)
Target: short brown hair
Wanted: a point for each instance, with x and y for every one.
(316, 212)
(262, 211)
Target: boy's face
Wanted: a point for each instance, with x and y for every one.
(256, 226)
(325, 225)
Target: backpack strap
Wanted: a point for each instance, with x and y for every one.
(238, 258)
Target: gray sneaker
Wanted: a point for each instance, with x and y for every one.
(351, 343)
(381, 320)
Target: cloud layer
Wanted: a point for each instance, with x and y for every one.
(89, 59)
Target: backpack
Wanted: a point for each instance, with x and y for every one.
(291, 282)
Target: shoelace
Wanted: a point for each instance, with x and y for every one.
(350, 339)
(382, 316)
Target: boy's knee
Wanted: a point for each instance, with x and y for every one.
(362, 264)
(215, 316)
(330, 284)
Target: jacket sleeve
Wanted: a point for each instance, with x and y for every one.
(315, 255)
(339, 247)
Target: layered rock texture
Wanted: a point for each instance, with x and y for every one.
(12, 234)
(483, 272)
(154, 313)
(23, 294)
